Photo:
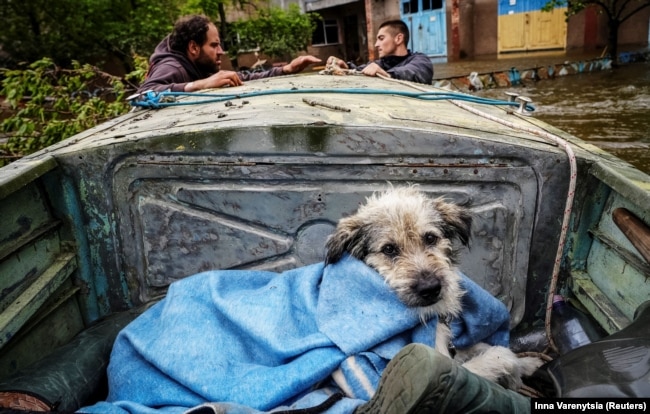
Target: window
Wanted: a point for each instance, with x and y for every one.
(326, 33)
(410, 6)
(432, 5)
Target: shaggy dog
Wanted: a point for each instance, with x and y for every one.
(408, 239)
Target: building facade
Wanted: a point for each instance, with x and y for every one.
(459, 29)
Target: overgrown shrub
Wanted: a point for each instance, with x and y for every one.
(276, 32)
(48, 104)
(88, 31)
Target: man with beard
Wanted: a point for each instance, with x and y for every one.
(188, 60)
(395, 60)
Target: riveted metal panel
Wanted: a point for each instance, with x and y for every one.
(180, 215)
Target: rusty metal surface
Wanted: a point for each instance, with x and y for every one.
(107, 219)
(260, 183)
(176, 191)
(157, 195)
(290, 109)
(210, 216)
(17, 314)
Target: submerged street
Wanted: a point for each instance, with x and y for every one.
(609, 108)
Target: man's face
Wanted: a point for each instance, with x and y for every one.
(209, 58)
(386, 43)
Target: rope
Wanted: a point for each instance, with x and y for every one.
(156, 100)
(567, 208)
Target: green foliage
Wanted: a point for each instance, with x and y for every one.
(616, 12)
(551, 4)
(208, 7)
(278, 33)
(49, 104)
(84, 30)
(139, 29)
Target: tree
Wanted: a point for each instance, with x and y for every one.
(97, 31)
(50, 103)
(276, 32)
(216, 10)
(87, 31)
(617, 12)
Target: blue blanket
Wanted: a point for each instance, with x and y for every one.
(253, 341)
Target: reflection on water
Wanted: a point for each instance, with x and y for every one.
(610, 109)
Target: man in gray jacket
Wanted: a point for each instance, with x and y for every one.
(189, 60)
(395, 60)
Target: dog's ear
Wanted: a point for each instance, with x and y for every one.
(457, 221)
(346, 238)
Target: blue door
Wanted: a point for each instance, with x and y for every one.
(427, 24)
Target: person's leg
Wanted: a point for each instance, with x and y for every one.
(421, 380)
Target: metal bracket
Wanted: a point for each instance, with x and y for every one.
(523, 102)
(512, 96)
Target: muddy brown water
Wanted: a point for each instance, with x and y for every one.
(610, 108)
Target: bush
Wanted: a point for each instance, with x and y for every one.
(88, 31)
(277, 33)
(48, 104)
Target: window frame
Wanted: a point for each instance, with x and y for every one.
(323, 25)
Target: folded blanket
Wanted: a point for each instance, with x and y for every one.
(244, 341)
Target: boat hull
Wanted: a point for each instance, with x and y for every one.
(256, 178)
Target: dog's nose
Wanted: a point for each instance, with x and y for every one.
(429, 290)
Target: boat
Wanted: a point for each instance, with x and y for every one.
(95, 228)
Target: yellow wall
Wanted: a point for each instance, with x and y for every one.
(533, 30)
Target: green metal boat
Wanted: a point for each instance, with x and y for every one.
(95, 228)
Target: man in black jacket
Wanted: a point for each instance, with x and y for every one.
(395, 60)
(189, 60)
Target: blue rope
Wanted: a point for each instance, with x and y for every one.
(158, 100)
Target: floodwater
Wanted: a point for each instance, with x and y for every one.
(609, 108)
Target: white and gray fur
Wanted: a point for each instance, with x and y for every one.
(408, 238)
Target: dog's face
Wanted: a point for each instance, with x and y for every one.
(407, 238)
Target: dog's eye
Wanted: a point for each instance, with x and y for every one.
(430, 239)
(389, 250)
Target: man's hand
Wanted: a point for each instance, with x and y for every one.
(374, 69)
(218, 80)
(300, 63)
(334, 61)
